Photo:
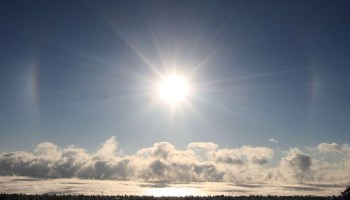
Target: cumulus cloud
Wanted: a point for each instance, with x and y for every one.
(297, 165)
(229, 156)
(245, 154)
(203, 150)
(107, 149)
(333, 163)
(200, 161)
(159, 150)
(258, 155)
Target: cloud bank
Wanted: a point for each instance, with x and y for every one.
(198, 162)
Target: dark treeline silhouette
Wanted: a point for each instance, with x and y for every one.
(345, 195)
(132, 197)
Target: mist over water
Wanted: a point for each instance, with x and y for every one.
(18, 184)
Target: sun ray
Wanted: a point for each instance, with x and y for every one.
(250, 77)
(129, 44)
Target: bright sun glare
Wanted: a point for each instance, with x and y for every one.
(173, 89)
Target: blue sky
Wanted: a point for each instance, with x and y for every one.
(80, 72)
(70, 73)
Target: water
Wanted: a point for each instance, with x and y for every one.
(15, 184)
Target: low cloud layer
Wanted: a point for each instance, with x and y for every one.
(198, 162)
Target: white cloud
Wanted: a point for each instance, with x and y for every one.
(164, 162)
(272, 140)
(257, 155)
(107, 149)
(329, 147)
(297, 165)
(229, 156)
(245, 154)
(202, 146)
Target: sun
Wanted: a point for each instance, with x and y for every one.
(173, 89)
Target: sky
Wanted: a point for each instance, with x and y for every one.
(267, 98)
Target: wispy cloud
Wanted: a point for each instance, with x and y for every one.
(273, 140)
(198, 162)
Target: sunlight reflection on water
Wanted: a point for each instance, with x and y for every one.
(172, 191)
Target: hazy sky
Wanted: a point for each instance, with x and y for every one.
(270, 88)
